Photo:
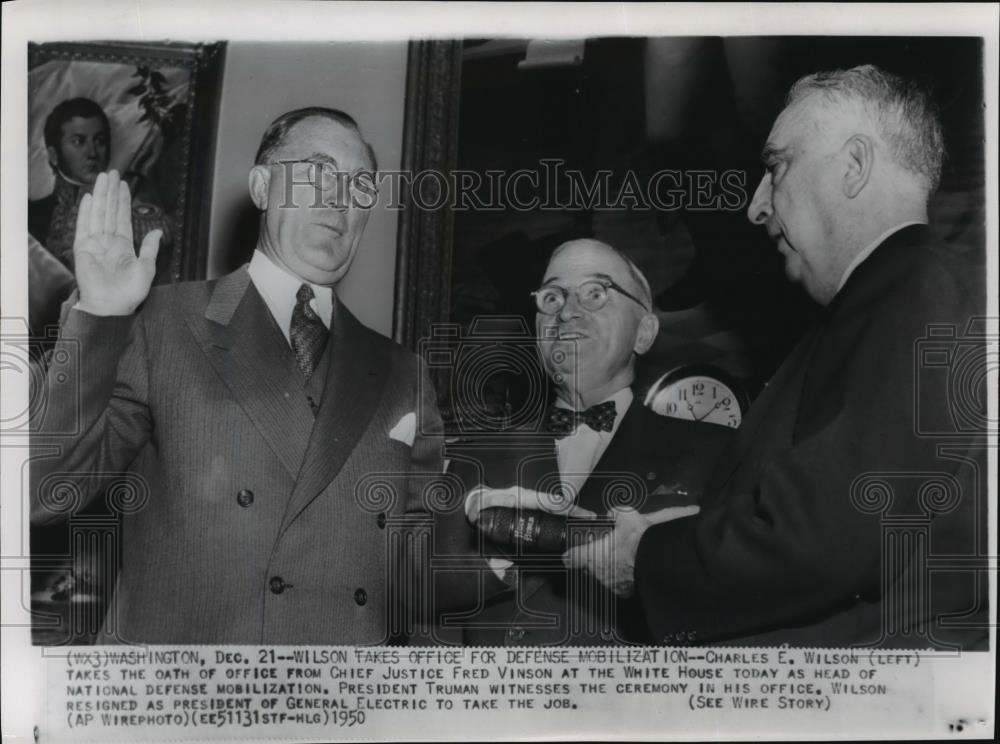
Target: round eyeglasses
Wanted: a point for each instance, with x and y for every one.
(592, 295)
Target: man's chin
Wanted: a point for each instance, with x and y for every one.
(793, 269)
(327, 264)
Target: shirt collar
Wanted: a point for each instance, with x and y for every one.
(870, 249)
(71, 181)
(277, 287)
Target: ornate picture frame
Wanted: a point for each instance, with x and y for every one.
(161, 101)
(160, 105)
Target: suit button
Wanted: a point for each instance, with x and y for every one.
(360, 596)
(516, 633)
(380, 521)
(244, 497)
(277, 585)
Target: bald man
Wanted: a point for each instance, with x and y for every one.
(852, 509)
(600, 450)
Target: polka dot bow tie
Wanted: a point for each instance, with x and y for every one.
(562, 421)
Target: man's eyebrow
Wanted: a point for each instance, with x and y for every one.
(316, 157)
(770, 152)
(593, 275)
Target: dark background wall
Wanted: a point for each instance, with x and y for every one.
(699, 103)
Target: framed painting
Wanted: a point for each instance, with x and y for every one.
(148, 111)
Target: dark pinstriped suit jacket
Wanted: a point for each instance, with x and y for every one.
(208, 406)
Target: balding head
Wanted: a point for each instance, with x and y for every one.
(636, 283)
(589, 348)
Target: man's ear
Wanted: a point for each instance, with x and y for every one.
(53, 157)
(260, 181)
(860, 151)
(649, 327)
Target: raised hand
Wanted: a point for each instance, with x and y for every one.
(112, 280)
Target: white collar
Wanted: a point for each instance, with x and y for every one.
(277, 287)
(870, 249)
(73, 181)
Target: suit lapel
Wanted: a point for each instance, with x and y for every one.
(627, 447)
(356, 375)
(241, 341)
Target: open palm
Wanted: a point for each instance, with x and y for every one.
(112, 279)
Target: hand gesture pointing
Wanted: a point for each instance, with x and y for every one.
(111, 278)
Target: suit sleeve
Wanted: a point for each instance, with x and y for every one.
(90, 417)
(427, 456)
(806, 536)
(451, 559)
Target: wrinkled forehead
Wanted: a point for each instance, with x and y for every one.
(320, 138)
(583, 260)
(815, 117)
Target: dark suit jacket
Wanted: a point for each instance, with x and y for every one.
(252, 521)
(852, 507)
(651, 463)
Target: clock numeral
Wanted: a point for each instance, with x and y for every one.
(699, 388)
(671, 407)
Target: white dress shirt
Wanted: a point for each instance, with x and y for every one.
(278, 288)
(579, 452)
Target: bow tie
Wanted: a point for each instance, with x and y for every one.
(562, 421)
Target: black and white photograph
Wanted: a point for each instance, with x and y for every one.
(139, 109)
(405, 381)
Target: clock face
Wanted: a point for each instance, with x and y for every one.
(699, 398)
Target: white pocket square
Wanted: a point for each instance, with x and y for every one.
(405, 430)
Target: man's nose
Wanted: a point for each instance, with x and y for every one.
(90, 148)
(571, 307)
(760, 206)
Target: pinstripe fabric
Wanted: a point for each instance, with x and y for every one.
(208, 402)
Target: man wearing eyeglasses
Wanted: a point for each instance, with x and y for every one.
(601, 453)
(851, 511)
(245, 413)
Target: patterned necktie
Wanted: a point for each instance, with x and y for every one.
(307, 332)
(562, 421)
